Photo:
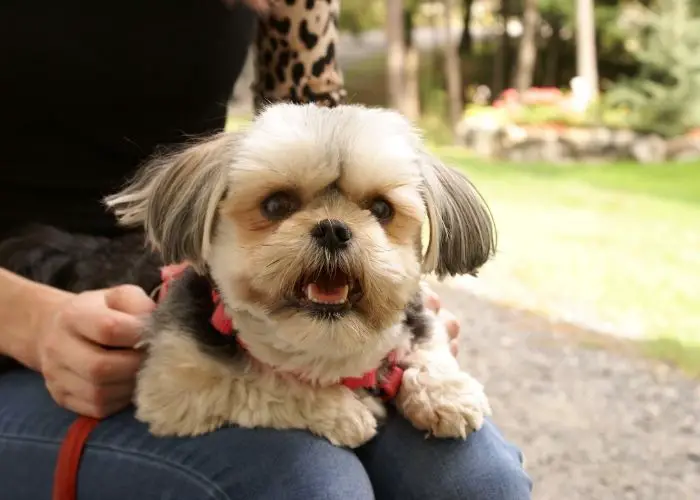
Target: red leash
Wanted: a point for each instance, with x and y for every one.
(65, 482)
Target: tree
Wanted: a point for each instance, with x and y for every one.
(395, 53)
(465, 42)
(453, 72)
(665, 96)
(555, 14)
(411, 76)
(560, 17)
(586, 59)
(402, 58)
(501, 64)
(527, 53)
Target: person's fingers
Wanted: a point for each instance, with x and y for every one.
(130, 299)
(90, 408)
(454, 347)
(73, 392)
(431, 300)
(90, 318)
(450, 322)
(96, 393)
(112, 329)
(101, 366)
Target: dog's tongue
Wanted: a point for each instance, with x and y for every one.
(328, 289)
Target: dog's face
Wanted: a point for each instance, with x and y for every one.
(320, 227)
(311, 220)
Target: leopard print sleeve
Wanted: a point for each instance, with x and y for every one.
(296, 54)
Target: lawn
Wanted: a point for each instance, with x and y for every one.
(616, 247)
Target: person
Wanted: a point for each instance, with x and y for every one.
(88, 91)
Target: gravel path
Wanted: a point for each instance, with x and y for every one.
(594, 423)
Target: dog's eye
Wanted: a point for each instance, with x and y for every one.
(279, 205)
(381, 209)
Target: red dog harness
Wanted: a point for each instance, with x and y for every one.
(70, 453)
(386, 387)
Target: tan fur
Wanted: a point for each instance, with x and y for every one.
(176, 197)
(436, 395)
(185, 393)
(336, 162)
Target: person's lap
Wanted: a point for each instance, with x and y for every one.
(122, 460)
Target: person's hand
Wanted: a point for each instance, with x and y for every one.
(85, 349)
(432, 302)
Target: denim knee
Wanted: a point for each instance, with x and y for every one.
(495, 479)
(244, 464)
(499, 479)
(403, 465)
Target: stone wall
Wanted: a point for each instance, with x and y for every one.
(565, 144)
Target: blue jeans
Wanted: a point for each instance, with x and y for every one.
(122, 461)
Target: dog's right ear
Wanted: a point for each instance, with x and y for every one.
(176, 197)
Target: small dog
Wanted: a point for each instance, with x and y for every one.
(306, 231)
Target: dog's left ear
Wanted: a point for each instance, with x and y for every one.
(462, 232)
(176, 198)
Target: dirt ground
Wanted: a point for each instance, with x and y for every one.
(593, 423)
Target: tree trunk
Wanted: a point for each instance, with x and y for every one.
(395, 54)
(586, 63)
(551, 68)
(453, 73)
(411, 74)
(527, 52)
(501, 59)
(465, 43)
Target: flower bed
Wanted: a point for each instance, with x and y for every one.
(548, 125)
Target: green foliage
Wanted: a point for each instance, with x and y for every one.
(357, 16)
(665, 96)
(433, 98)
(564, 13)
(541, 114)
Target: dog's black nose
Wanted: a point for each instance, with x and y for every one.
(332, 234)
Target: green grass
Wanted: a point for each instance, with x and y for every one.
(615, 246)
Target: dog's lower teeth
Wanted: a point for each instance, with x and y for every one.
(318, 296)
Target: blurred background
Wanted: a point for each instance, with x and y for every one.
(580, 123)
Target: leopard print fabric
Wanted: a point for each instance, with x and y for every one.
(296, 54)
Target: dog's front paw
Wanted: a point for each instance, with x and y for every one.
(446, 405)
(345, 421)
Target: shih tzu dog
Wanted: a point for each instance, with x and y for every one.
(301, 306)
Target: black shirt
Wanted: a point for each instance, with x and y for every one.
(88, 91)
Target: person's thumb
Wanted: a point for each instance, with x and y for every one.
(129, 299)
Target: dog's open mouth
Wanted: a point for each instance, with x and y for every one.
(328, 293)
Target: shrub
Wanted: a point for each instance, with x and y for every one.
(665, 96)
